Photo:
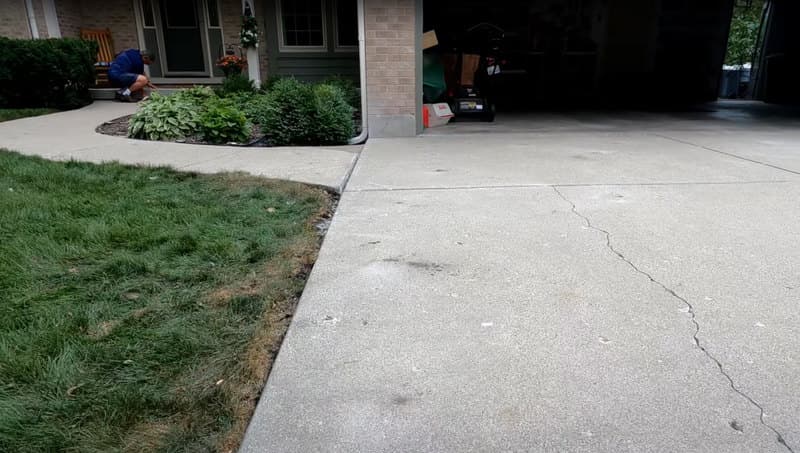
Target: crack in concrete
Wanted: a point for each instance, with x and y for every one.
(694, 320)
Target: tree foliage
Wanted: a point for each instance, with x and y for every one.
(744, 33)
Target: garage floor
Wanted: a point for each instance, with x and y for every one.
(598, 283)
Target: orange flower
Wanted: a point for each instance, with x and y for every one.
(231, 62)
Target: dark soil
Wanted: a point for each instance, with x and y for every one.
(117, 127)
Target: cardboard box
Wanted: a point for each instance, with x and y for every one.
(429, 40)
(469, 66)
(436, 115)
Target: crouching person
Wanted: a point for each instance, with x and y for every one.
(127, 73)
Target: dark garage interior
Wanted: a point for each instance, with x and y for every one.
(653, 54)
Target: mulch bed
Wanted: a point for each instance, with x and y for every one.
(118, 127)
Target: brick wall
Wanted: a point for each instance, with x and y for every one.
(69, 17)
(14, 19)
(118, 15)
(231, 11)
(391, 67)
(232, 24)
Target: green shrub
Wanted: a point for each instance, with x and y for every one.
(254, 106)
(349, 90)
(288, 113)
(53, 73)
(189, 113)
(267, 85)
(333, 116)
(294, 113)
(222, 122)
(197, 95)
(234, 84)
(166, 118)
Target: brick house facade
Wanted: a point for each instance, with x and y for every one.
(392, 32)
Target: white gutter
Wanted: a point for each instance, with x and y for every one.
(362, 60)
(32, 19)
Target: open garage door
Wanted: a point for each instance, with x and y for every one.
(556, 53)
(777, 78)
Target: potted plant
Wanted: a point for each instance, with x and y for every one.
(249, 33)
(231, 64)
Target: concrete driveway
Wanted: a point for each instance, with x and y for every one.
(597, 283)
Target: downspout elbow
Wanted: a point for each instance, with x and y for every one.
(362, 61)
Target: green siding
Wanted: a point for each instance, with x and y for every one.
(307, 66)
(314, 67)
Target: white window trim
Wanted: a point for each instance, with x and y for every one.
(337, 47)
(206, 8)
(202, 19)
(282, 47)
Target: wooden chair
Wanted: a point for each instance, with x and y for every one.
(105, 53)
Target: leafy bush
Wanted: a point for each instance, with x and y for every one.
(294, 113)
(188, 113)
(166, 118)
(349, 90)
(744, 33)
(197, 95)
(267, 85)
(288, 114)
(236, 83)
(46, 72)
(333, 116)
(254, 106)
(222, 122)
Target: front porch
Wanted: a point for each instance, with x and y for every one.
(309, 40)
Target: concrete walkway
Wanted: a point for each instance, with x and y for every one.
(610, 283)
(71, 135)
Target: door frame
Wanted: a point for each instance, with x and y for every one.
(203, 25)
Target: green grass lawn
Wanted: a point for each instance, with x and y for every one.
(15, 114)
(140, 307)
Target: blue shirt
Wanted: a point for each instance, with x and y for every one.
(127, 62)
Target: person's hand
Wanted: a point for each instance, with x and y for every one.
(151, 86)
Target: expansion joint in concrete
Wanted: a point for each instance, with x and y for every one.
(696, 336)
(718, 151)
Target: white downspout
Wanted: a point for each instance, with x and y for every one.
(253, 66)
(362, 60)
(32, 19)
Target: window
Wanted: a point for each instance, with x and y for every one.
(346, 24)
(302, 24)
(181, 13)
(147, 13)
